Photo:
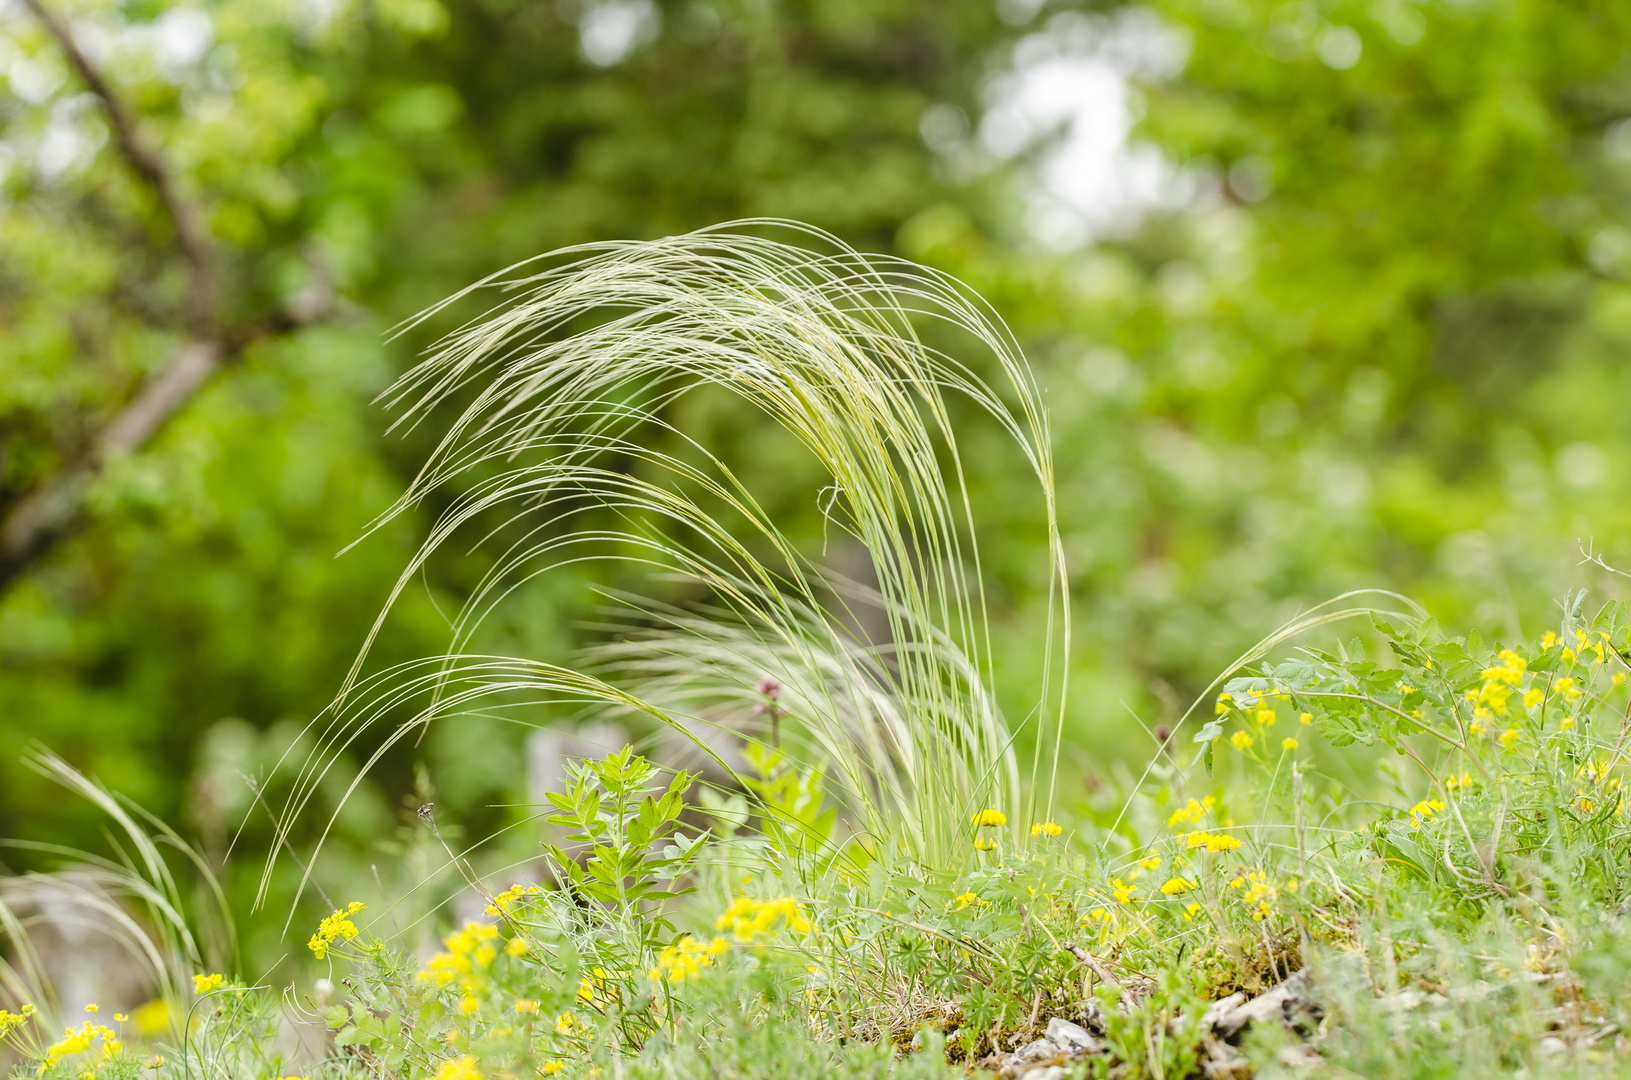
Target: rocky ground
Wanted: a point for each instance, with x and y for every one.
(1290, 1004)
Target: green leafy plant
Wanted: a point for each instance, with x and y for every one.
(606, 805)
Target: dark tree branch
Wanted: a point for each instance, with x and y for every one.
(185, 221)
(55, 504)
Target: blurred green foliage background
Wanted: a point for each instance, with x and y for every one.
(1374, 334)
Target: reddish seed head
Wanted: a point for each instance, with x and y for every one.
(1162, 733)
(770, 688)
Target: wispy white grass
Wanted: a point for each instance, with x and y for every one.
(563, 383)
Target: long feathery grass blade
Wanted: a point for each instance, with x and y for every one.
(131, 900)
(565, 387)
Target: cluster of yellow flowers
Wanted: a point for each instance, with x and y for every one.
(1583, 644)
(1463, 782)
(468, 953)
(504, 901)
(988, 819)
(1191, 811)
(747, 918)
(337, 927)
(203, 984)
(1258, 711)
(1425, 811)
(1213, 842)
(462, 1068)
(11, 1021)
(596, 986)
(966, 899)
(80, 1040)
(686, 958)
(1499, 683)
(1600, 777)
(1258, 892)
(1176, 886)
(1046, 828)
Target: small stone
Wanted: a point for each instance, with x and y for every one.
(1552, 1046)
(1220, 1061)
(1221, 1008)
(1072, 1038)
(1040, 1050)
(1046, 1072)
(1291, 1003)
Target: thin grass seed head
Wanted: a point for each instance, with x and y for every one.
(574, 369)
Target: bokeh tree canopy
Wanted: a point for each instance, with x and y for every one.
(1381, 341)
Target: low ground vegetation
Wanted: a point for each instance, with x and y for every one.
(1473, 923)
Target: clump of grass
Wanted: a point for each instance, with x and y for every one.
(1432, 827)
(563, 385)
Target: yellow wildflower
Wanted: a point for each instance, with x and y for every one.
(1191, 811)
(1288, 744)
(966, 899)
(686, 958)
(526, 1007)
(335, 928)
(509, 897)
(1241, 740)
(995, 819)
(552, 1067)
(202, 984)
(463, 1068)
(1424, 810)
(1046, 828)
(1121, 890)
(1508, 737)
(747, 918)
(982, 844)
(1176, 887)
(1264, 717)
(1306, 718)
(11, 1021)
(1213, 842)
(151, 1018)
(1151, 863)
(1258, 894)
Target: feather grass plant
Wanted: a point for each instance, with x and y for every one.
(132, 901)
(563, 382)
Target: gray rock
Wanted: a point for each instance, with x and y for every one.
(1040, 1050)
(1291, 1003)
(1220, 1061)
(1072, 1038)
(1046, 1072)
(1221, 1008)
